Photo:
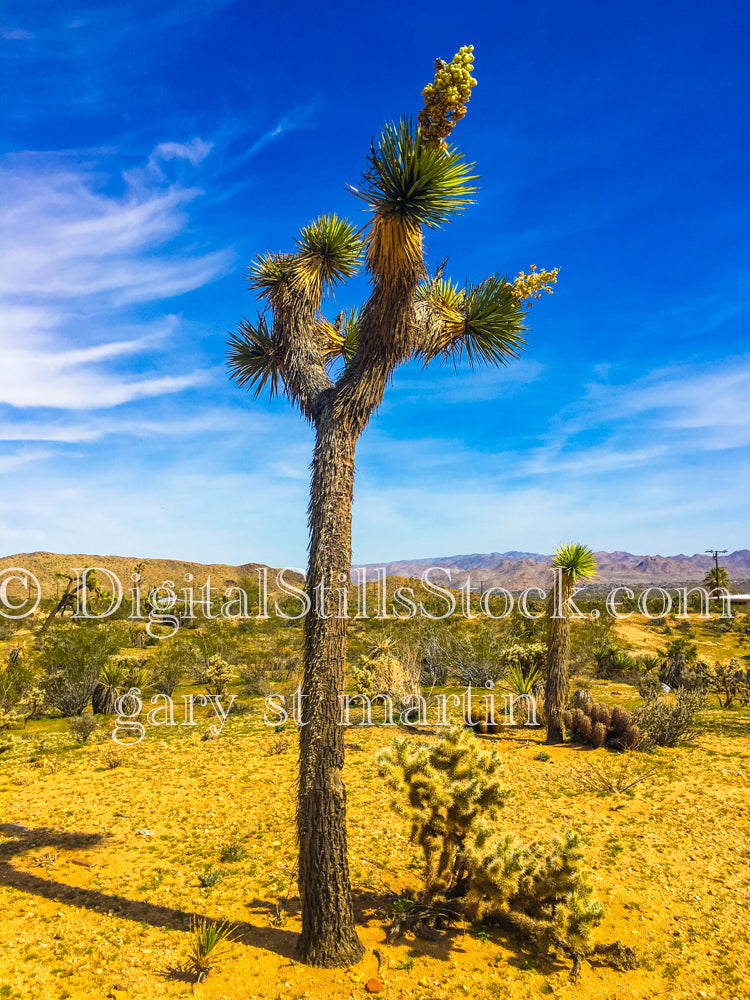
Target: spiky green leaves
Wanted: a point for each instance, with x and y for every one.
(251, 358)
(494, 324)
(484, 321)
(410, 181)
(349, 333)
(575, 560)
(328, 252)
(269, 273)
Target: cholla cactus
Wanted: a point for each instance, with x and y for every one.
(543, 889)
(443, 790)
(449, 791)
(217, 676)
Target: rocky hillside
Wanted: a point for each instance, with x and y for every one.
(516, 570)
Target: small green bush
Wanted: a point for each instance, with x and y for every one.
(81, 727)
(233, 851)
(671, 720)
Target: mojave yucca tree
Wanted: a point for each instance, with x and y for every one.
(571, 562)
(336, 373)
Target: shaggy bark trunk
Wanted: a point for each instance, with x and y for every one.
(558, 653)
(329, 937)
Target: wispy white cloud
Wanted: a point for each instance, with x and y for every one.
(16, 34)
(291, 122)
(10, 462)
(96, 428)
(194, 151)
(74, 254)
(63, 238)
(464, 385)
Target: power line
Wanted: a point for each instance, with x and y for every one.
(716, 553)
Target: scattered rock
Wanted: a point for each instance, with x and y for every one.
(374, 986)
(145, 833)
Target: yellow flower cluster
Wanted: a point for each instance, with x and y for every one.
(531, 286)
(446, 97)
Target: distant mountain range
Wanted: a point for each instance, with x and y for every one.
(513, 570)
(517, 570)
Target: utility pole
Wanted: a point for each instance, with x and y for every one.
(716, 553)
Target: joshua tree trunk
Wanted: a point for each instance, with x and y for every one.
(558, 653)
(329, 937)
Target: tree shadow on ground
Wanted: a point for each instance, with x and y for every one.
(269, 938)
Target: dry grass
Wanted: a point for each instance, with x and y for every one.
(670, 855)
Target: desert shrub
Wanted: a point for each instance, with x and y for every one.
(388, 669)
(268, 673)
(16, 680)
(137, 635)
(489, 655)
(681, 646)
(208, 947)
(168, 666)
(217, 638)
(433, 665)
(9, 720)
(71, 658)
(670, 720)
(210, 878)
(108, 687)
(255, 680)
(474, 659)
(518, 680)
(234, 850)
(599, 725)
(729, 681)
(451, 793)
(649, 686)
(81, 727)
(678, 672)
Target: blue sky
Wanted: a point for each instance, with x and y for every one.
(148, 150)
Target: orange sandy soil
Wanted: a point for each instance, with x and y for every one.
(670, 859)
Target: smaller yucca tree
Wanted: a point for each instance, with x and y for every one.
(571, 562)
